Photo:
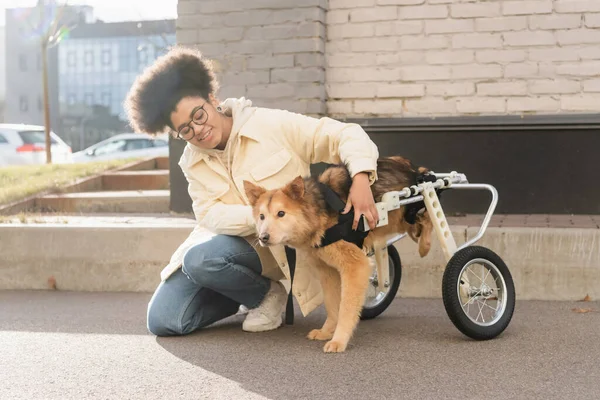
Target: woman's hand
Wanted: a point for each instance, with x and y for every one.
(361, 199)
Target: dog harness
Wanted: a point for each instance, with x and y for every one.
(343, 229)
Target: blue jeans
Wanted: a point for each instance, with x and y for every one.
(216, 277)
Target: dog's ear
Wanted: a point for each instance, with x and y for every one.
(253, 192)
(295, 189)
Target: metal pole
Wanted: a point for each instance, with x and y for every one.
(45, 85)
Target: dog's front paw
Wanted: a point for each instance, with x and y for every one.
(334, 347)
(319, 334)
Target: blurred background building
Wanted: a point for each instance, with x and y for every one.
(89, 73)
(2, 72)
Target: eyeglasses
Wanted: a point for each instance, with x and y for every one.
(199, 117)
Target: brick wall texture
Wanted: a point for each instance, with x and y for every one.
(392, 58)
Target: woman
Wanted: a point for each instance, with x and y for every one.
(211, 275)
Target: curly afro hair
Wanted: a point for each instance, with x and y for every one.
(180, 73)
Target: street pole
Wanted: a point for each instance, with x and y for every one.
(46, 105)
(44, 49)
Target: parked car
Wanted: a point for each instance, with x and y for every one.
(125, 145)
(22, 144)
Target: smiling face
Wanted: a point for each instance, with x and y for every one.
(198, 122)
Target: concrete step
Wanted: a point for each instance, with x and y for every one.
(136, 180)
(148, 164)
(127, 252)
(127, 201)
(162, 163)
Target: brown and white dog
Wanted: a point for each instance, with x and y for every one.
(297, 216)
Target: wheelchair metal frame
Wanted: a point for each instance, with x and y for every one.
(426, 192)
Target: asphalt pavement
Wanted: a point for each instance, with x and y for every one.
(66, 345)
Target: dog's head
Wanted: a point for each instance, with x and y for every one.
(278, 213)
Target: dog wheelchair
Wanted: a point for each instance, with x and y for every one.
(477, 287)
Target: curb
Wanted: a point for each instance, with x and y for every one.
(546, 263)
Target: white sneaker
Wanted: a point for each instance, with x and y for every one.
(267, 316)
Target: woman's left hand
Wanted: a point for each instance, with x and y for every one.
(362, 200)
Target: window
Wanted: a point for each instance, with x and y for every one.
(40, 103)
(71, 98)
(142, 56)
(39, 62)
(160, 143)
(3, 139)
(89, 99)
(71, 59)
(88, 57)
(106, 57)
(35, 137)
(23, 104)
(106, 97)
(23, 62)
(138, 144)
(110, 147)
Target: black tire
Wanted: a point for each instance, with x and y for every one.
(394, 259)
(452, 301)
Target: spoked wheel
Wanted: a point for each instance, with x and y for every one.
(478, 293)
(379, 299)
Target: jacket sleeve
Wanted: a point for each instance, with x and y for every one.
(211, 213)
(327, 140)
(220, 218)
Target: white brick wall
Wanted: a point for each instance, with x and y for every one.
(458, 57)
(402, 57)
(271, 51)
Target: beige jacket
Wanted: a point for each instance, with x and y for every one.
(270, 148)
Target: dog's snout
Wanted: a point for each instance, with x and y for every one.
(264, 237)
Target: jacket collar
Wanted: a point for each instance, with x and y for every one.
(195, 154)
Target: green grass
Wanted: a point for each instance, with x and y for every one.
(19, 182)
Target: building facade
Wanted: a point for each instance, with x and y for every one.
(499, 89)
(99, 62)
(2, 72)
(97, 66)
(394, 58)
(89, 72)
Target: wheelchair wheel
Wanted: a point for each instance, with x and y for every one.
(378, 300)
(478, 293)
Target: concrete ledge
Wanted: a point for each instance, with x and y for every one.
(549, 263)
(87, 258)
(422, 277)
(127, 254)
(546, 263)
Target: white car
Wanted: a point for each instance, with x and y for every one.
(125, 145)
(22, 144)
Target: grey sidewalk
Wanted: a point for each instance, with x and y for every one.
(64, 345)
